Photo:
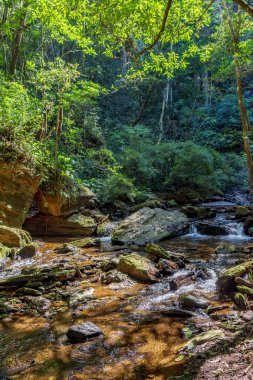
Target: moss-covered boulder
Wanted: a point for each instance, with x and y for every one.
(245, 290)
(14, 237)
(157, 251)
(150, 225)
(57, 203)
(226, 249)
(18, 184)
(139, 267)
(226, 277)
(74, 225)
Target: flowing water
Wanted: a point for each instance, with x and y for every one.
(139, 342)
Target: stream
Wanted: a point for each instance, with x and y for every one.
(139, 342)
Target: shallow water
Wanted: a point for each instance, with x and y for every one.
(138, 342)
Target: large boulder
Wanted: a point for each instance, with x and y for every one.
(206, 228)
(18, 185)
(74, 225)
(139, 267)
(150, 225)
(226, 277)
(14, 237)
(60, 204)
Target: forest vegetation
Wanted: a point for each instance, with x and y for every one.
(129, 97)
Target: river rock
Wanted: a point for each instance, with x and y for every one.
(86, 243)
(157, 251)
(28, 251)
(241, 212)
(83, 332)
(176, 312)
(67, 248)
(60, 204)
(150, 225)
(81, 296)
(206, 228)
(226, 249)
(74, 225)
(226, 277)
(189, 301)
(14, 237)
(207, 337)
(245, 289)
(167, 267)
(150, 203)
(113, 276)
(107, 265)
(248, 226)
(139, 267)
(195, 212)
(18, 184)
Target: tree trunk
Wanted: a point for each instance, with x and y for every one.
(18, 35)
(58, 130)
(164, 106)
(245, 121)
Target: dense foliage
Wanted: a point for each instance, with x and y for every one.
(132, 98)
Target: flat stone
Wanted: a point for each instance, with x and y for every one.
(83, 332)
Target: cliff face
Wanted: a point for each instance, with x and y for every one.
(17, 189)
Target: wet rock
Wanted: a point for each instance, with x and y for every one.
(241, 301)
(248, 226)
(189, 301)
(74, 225)
(176, 312)
(67, 248)
(211, 229)
(241, 211)
(83, 332)
(14, 237)
(243, 281)
(60, 204)
(28, 251)
(195, 212)
(139, 267)
(113, 276)
(40, 303)
(105, 228)
(245, 289)
(150, 203)
(167, 267)
(28, 291)
(157, 251)
(150, 225)
(86, 243)
(226, 277)
(226, 249)
(81, 296)
(247, 316)
(207, 337)
(108, 265)
(180, 281)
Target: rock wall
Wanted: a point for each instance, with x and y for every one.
(18, 186)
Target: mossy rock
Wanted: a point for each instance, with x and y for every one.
(14, 237)
(151, 203)
(241, 211)
(245, 289)
(85, 243)
(226, 277)
(139, 267)
(157, 251)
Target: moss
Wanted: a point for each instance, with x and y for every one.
(241, 301)
(157, 251)
(245, 289)
(85, 243)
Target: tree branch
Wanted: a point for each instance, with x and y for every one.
(245, 6)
